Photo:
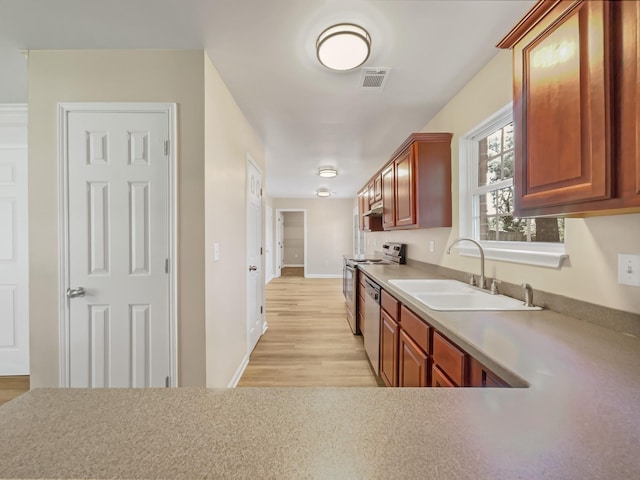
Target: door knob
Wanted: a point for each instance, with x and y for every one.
(75, 292)
(252, 268)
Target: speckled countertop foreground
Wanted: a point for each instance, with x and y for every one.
(578, 419)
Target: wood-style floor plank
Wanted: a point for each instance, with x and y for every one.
(308, 342)
(11, 387)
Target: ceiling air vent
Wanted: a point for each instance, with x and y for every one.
(374, 79)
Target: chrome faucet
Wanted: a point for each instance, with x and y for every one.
(481, 281)
(528, 295)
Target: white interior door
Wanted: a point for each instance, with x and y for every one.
(280, 235)
(118, 249)
(268, 245)
(14, 255)
(255, 325)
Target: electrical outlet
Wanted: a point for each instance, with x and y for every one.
(629, 269)
(432, 246)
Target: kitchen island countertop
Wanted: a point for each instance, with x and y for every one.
(577, 417)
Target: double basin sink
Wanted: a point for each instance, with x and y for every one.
(452, 295)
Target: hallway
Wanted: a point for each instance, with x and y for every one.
(308, 342)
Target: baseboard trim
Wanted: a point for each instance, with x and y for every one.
(238, 375)
(321, 275)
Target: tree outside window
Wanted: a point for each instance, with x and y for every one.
(493, 196)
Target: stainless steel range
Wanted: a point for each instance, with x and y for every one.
(391, 253)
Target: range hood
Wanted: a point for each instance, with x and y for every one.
(375, 210)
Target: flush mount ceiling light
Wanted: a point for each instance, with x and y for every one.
(327, 172)
(323, 192)
(343, 47)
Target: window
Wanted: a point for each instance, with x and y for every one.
(486, 200)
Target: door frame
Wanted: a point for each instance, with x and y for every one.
(64, 109)
(279, 213)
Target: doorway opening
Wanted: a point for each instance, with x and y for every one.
(292, 242)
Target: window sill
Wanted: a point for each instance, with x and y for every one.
(546, 256)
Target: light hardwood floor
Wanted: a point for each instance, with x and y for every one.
(308, 342)
(11, 387)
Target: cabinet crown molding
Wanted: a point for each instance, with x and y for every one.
(530, 19)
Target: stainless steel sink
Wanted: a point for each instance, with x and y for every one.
(452, 295)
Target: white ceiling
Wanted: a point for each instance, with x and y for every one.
(305, 115)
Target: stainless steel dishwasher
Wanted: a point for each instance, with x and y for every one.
(372, 322)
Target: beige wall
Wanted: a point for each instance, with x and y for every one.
(228, 140)
(592, 244)
(114, 76)
(329, 234)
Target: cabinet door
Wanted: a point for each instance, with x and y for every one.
(439, 379)
(561, 107)
(481, 376)
(388, 350)
(405, 189)
(372, 193)
(377, 188)
(629, 101)
(361, 209)
(388, 197)
(450, 359)
(413, 363)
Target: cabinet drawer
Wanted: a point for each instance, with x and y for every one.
(415, 328)
(451, 360)
(390, 304)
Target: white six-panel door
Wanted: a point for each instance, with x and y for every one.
(255, 325)
(14, 255)
(118, 249)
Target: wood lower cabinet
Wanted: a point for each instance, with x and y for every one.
(481, 376)
(450, 360)
(388, 350)
(413, 363)
(414, 354)
(439, 379)
(576, 107)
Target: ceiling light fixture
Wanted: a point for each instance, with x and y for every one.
(343, 47)
(327, 172)
(323, 192)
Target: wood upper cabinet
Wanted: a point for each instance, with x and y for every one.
(388, 349)
(377, 188)
(575, 107)
(422, 170)
(388, 197)
(628, 97)
(562, 104)
(405, 209)
(368, 224)
(371, 192)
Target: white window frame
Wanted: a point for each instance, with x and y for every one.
(530, 253)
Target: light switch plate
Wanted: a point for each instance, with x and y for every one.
(216, 252)
(432, 245)
(629, 269)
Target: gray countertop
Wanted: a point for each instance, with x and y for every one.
(579, 417)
